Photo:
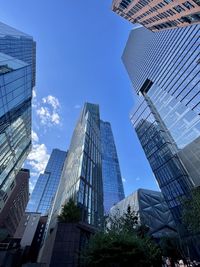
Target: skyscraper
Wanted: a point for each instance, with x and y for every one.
(82, 173)
(159, 15)
(165, 75)
(92, 154)
(47, 183)
(17, 78)
(113, 190)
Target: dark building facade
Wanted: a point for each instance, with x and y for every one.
(17, 78)
(14, 208)
(159, 15)
(47, 183)
(113, 190)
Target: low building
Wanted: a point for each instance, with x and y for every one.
(66, 242)
(30, 231)
(27, 228)
(151, 209)
(15, 205)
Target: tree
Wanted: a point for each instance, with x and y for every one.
(170, 247)
(191, 211)
(121, 245)
(126, 223)
(70, 213)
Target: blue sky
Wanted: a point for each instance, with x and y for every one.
(79, 48)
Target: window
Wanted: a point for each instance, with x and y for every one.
(197, 2)
(5, 197)
(188, 5)
(12, 185)
(167, 1)
(179, 9)
(192, 18)
(4, 69)
(171, 12)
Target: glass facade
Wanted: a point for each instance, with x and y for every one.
(164, 70)
(47, 184)
(82, 173)
(162, 155)
(17, 77)
(113, 190)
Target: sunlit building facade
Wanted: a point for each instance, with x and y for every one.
(113, 190)
(82, 173)
(17, 78)
(159, 15)
(47, 184)
(165, 73)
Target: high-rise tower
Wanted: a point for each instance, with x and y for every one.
(82, 174)
(91, 173)
(113, 190)
(17, 78)
(165, 75)
(159, 15)
(47, 183)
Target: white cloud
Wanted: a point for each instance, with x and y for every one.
(137, 178)
(34, 93)
(34, 136)
(34, 98)
(55, 118)
(77, 106)
(51, 100)
(123, 180)
(37, 159)
(48, 112)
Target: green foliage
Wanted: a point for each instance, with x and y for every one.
(124, 243)
(191, 211)
(126, 223)
(70, 213)
(122, 249)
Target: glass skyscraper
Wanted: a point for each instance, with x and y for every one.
(17, 78)
(113, 190)
(82, 174)
(164, 70)
(47, 184)
(91, 157)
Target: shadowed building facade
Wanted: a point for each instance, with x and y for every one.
(159, 15)
(17, 78)
(15, 206)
